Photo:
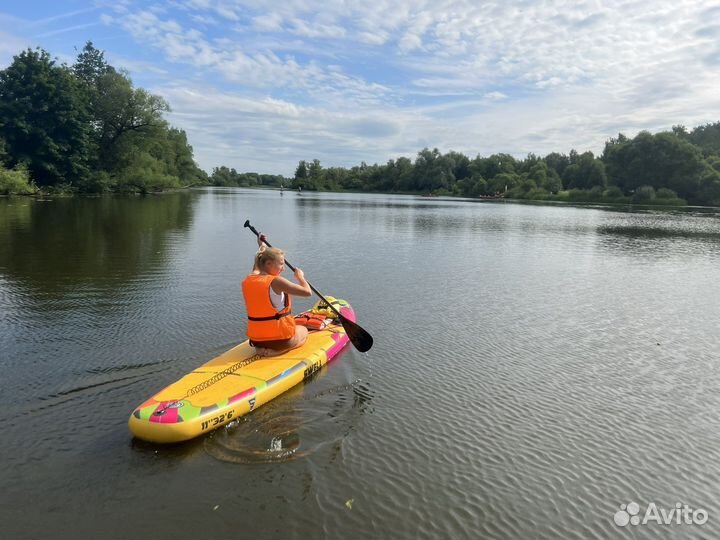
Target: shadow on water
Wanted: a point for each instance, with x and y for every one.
(166, 456)
(656, 233)
(49, 246)
(380, 203)
(414, 214)
(662, 233)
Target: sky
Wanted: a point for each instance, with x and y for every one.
(259, 85)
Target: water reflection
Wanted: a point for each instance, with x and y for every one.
(169, 455)
(661, 234)
(378, 202)
(51, 246)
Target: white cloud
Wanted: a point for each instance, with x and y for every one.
(68, 14)
(203, 19)
(373, 38)
(495, 96)
(268, 23)
(410, 42)
(67, 29)
(312, 29)
(226, 12)
(347, 81)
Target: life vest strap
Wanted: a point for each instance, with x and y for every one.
(273, 318)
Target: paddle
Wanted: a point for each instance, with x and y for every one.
(357, 335)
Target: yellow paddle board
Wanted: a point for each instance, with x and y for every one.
(233, 384)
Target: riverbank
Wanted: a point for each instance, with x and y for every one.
(576, 197)
(16, 185)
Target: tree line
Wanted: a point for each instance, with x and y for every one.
(86, 128)
(675, 167)
(671, 168)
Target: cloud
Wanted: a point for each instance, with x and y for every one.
(409, 43)
(228, 129)
(575, 73)
(495, 96)
(347, 82)
(204, 19)
(267, 23)
(68, 29)
(68, 14)
(373, 38)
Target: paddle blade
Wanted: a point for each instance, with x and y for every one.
(360, 339)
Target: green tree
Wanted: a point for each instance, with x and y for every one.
(709, 190)
(16, 181)
(44, 119)
(491, 166)
(4, 157)
(223, 176)
(503, 182)
(315, 175)
(557, 162)
(335, 177)
(707, 137)
(301, 175)
(121, 110)
(432, 171)
(661, 160)
(472, 186)
(90, 66)
(172, 148)
(644, 195)
(585, 172)
(403, 174)
(459, 164)
(545, 177)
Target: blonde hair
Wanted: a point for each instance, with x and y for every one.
(269, 255)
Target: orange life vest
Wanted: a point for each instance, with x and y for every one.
(265, 323)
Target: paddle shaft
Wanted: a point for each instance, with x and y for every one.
(291, 267)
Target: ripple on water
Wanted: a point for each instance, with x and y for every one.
(295, 425)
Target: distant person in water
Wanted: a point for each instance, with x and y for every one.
(271, 326)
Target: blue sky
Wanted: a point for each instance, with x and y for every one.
(259, 85)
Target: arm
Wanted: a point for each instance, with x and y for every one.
(301, 288)
(261, 247)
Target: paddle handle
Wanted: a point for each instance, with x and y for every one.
(291, 267)
(247, 224)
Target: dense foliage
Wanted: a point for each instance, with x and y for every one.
(223, 176)
(669, 168)
(86, 128)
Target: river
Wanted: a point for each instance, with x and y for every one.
(535, 367)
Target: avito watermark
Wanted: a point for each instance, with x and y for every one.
(680, 514)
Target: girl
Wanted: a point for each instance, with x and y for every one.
(271, 326)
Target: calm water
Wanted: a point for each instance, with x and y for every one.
(534, 368)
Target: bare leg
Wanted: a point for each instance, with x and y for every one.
(276, 348)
